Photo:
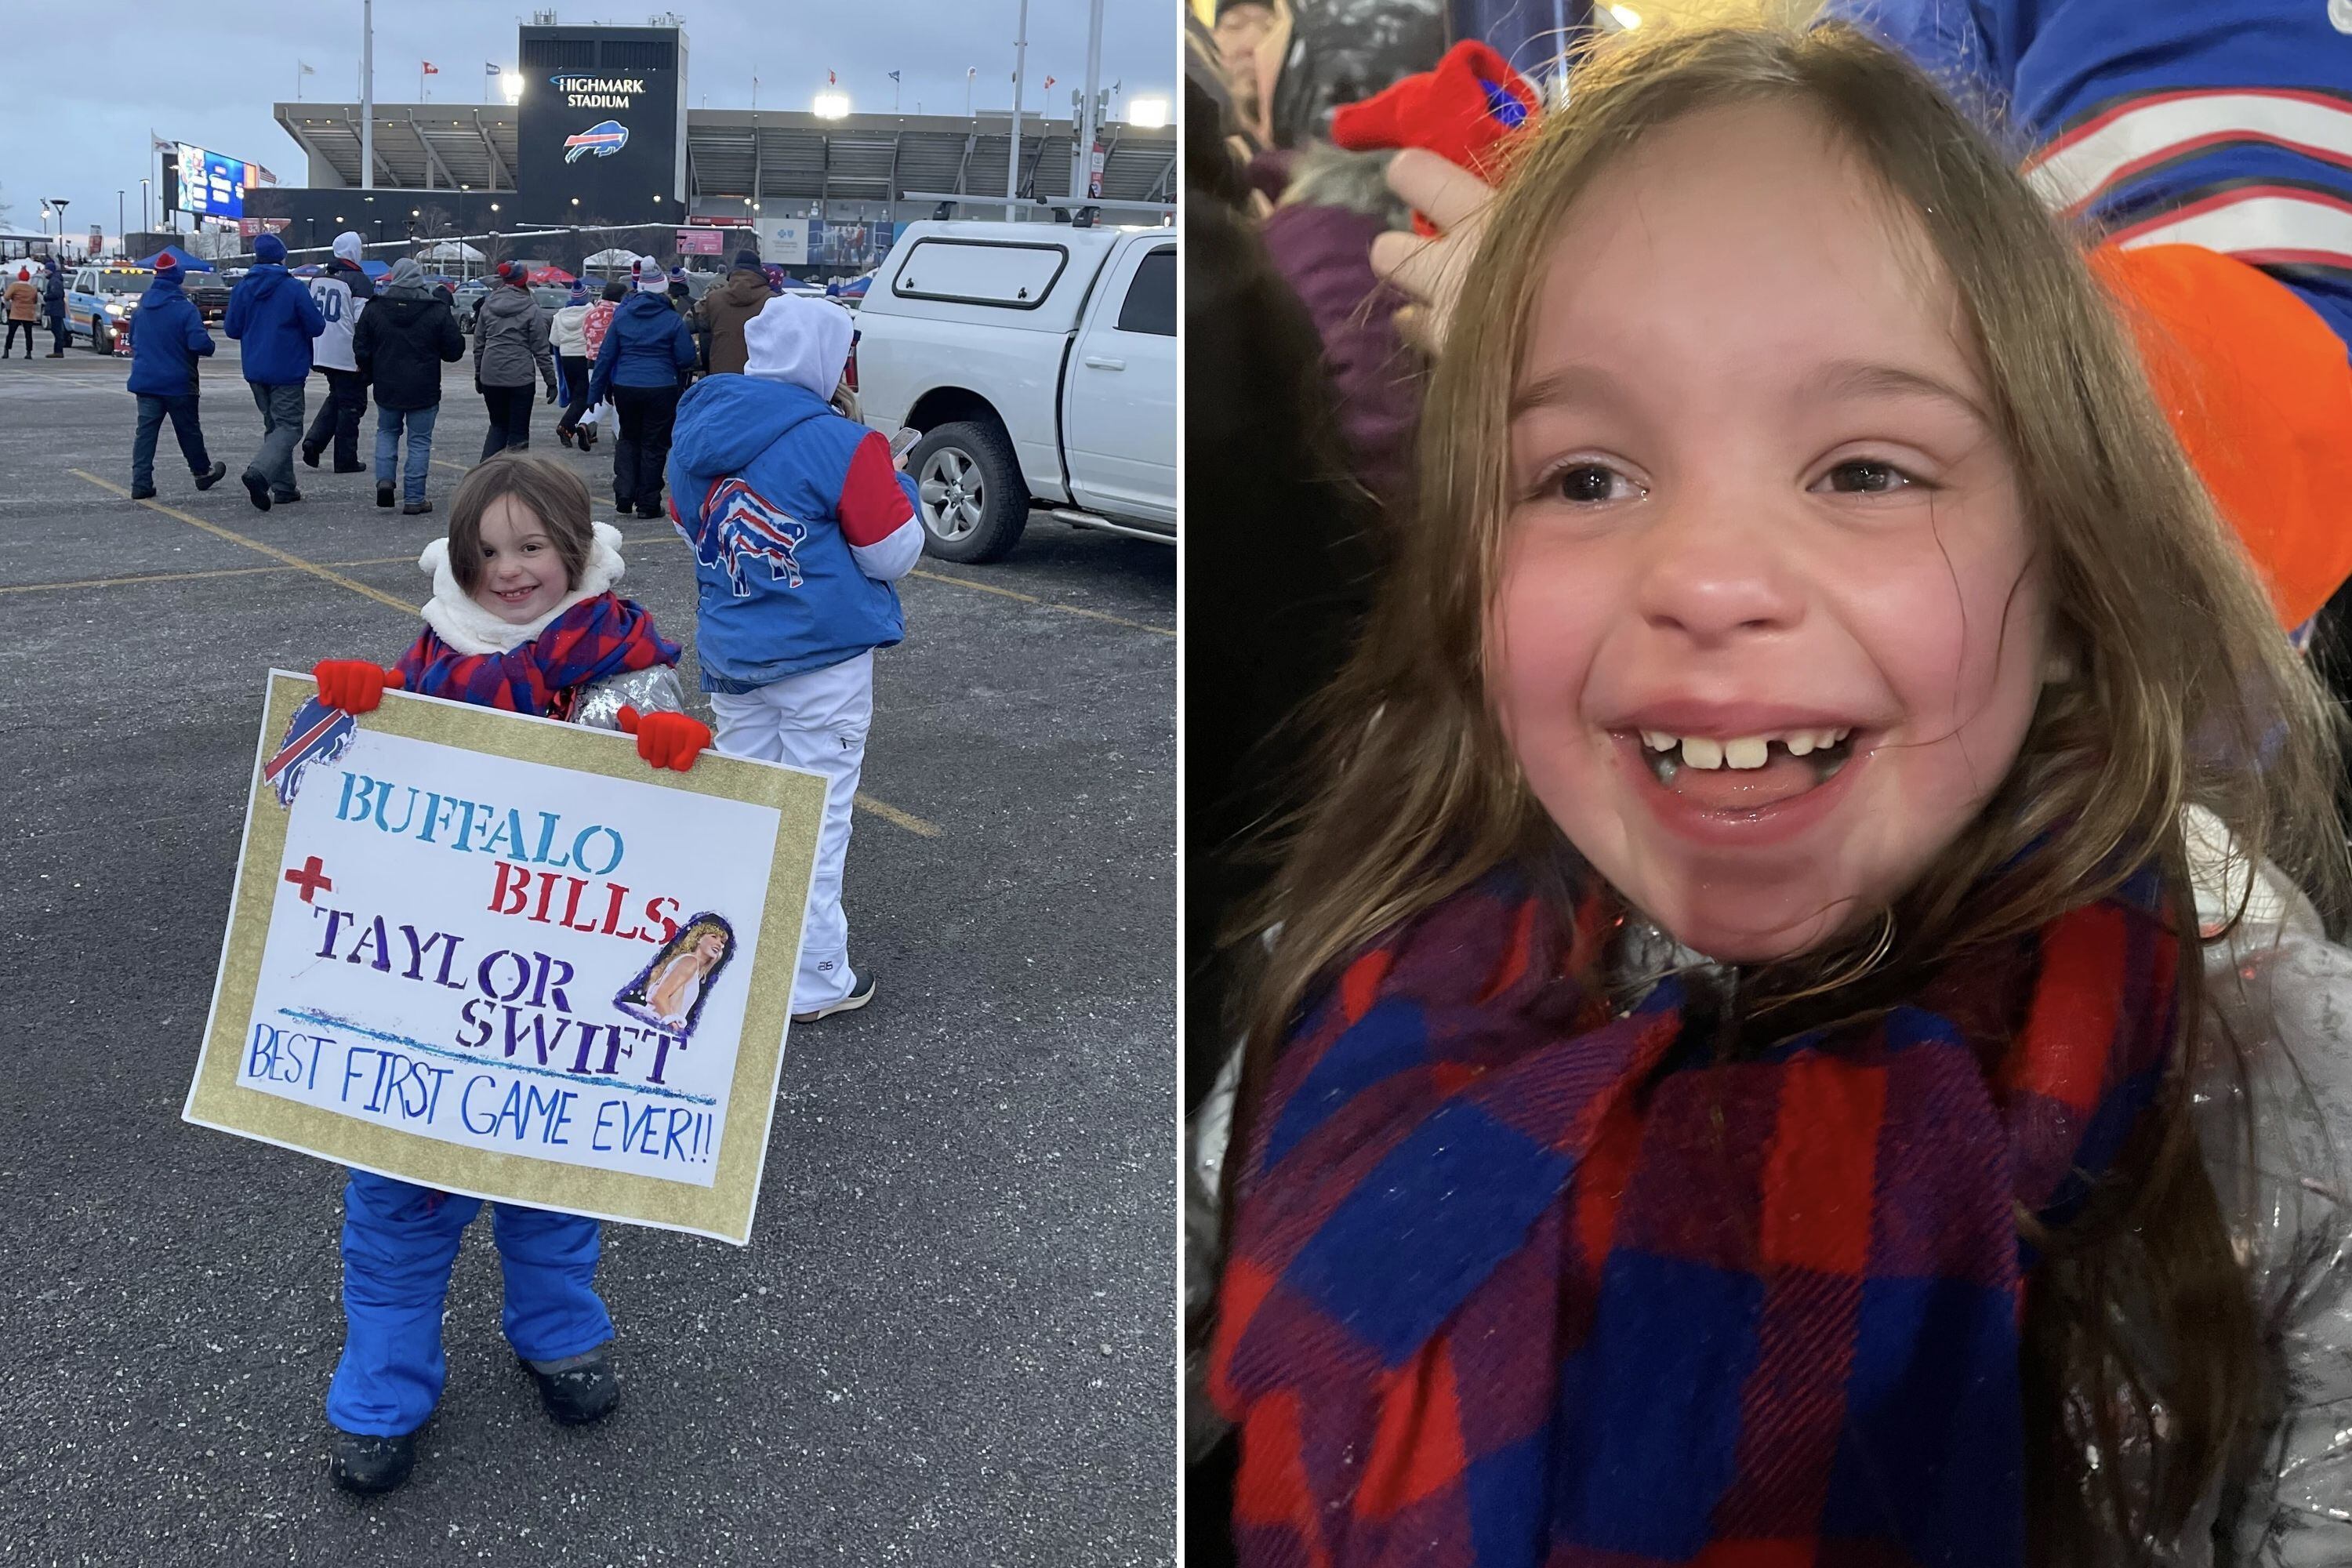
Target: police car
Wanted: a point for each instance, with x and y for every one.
(99, 301)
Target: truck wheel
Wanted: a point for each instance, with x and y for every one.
(102, 342)
(974, 502)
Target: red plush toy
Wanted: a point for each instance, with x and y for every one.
(1464, 112)
(667, 740)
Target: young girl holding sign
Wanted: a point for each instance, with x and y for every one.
(523, 617)
(1766, 1055)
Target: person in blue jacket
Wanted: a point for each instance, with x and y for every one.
(800, 523)
(167, 338)
(273, 317)
(647, 351)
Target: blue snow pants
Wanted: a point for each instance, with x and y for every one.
(399, 1243)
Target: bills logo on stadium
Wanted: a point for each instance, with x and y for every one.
(604, 139)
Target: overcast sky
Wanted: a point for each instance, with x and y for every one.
(76, 120)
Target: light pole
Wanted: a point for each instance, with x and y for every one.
(1088, 131)
(120, 237)
(146, 213)
(1020, 60)
(60, 203)
(367, 95)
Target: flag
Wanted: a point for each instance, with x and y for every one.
(492, 69)
(1049, 84)
(431, 70)
(894, 76)
(306, 70)
(831, 80)
(159, 143)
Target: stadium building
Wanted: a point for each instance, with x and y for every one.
(602, 144)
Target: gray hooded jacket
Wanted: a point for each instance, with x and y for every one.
(511, 340)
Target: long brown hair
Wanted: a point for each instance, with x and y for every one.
(2183, 691)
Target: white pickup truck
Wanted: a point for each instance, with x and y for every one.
(1039, 360)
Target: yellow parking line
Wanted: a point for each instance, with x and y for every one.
(312, 567)
(1034, 599)
(906, 819)
(181, 576)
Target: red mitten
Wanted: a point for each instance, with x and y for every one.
(667, 740)
(354, 685)
(1464, 111)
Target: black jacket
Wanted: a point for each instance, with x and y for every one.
(402, 342)
(53, 292)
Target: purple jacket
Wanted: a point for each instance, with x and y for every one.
(1325, 254)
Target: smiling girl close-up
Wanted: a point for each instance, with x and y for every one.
(1793, 1022)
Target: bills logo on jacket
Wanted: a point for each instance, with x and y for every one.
(739, 523)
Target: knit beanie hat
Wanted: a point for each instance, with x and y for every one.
(652, 281)
(167, 266)
(347, 246)
(268, 248)
(579, 292)
(616, 290)
(24, 275)
(747, 261)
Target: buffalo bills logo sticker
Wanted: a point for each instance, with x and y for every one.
(317, 734)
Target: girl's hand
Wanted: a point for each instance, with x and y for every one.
(1430, 270)
(667, 740)
(354, 685)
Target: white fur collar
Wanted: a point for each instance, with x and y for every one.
(469, 628)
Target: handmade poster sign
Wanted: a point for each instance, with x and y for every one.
(502, 956)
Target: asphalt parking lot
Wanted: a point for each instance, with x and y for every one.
(952, 1339)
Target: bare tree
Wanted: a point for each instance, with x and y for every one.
(433, 223)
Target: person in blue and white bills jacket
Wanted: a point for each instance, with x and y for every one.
(800, 523)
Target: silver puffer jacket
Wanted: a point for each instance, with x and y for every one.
(2274, 1141)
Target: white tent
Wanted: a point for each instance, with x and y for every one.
(618, 260)
(451, 250)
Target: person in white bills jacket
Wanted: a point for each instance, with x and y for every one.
(342, 290)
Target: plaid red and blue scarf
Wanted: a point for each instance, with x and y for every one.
(1515, 1281)
(594, 639)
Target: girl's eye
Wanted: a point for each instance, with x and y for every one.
(1588, 484)
(1867, 476)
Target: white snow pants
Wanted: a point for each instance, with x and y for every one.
(817, 721)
